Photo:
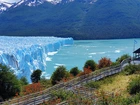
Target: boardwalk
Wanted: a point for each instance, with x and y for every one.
(39, 97)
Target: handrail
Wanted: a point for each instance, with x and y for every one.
(98, 74)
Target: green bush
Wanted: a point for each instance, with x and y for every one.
(126, 101)
(93, 84)
(136, 98)
(131, 69)
(134, 85)
(74, 71)
(132, 100)
(62, 94)
(9, 84)
(58, 74)
(23, 81)
(90, 64)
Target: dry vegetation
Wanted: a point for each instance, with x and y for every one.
(119, 84)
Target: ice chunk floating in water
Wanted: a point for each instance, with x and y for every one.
(25, 54)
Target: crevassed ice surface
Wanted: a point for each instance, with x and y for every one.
(25, 54)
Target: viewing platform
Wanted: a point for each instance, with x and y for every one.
(136, 57)
(136, 54)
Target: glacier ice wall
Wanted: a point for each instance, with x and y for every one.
(25, 54)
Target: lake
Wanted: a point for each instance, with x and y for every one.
(83, 50)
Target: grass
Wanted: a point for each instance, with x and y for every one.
(113, 84)
(119, 84)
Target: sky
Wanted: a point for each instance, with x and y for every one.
(9, 1)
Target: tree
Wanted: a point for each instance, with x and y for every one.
(134, 85)
(9, 84)
(104, 62)
(35, 76)
(74, 71)
(90, 64)
(58, 74)
(23, 81)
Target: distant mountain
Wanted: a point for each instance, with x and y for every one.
(4, 6)
(29, 3)
(80, 19)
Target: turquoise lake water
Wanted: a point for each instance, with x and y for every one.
(83, 50)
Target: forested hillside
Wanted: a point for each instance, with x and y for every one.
(80, 19)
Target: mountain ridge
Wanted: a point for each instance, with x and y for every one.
(80, 19)
(4, 6)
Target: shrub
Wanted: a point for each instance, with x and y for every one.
(90, 64)
(32, 88)
(104, 62)
(93, 84)
(58, 74)
(132, 100)
(131, 69)
(9, 84)
(67, 77)
(74, 71)
(23, 81)
(126, 101)
(62, 94)
(136, 98)
(134, 85)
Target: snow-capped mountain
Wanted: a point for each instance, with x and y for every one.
(4, 6)
(39, 2)
(29, 3)
(80, 19)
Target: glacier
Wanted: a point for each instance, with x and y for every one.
(25, 54)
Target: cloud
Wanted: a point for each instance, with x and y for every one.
(9, 1)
